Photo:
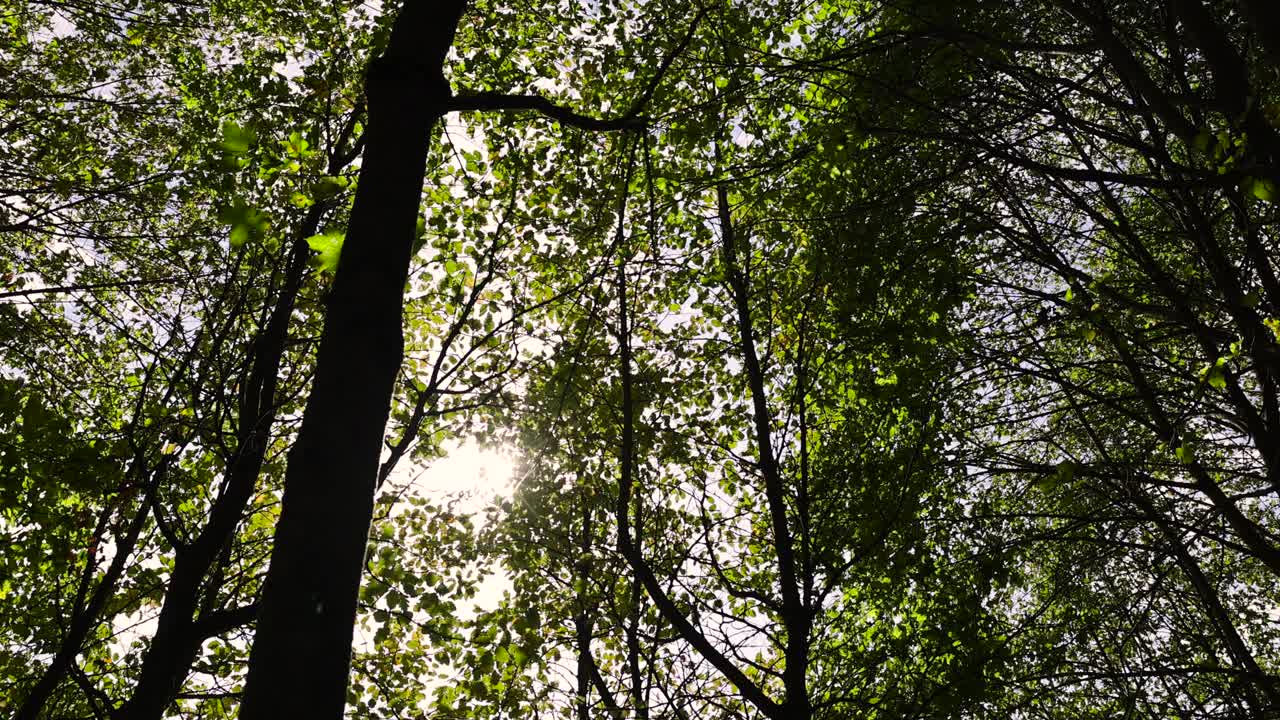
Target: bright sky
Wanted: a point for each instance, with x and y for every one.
(478, 472)
(483, 474)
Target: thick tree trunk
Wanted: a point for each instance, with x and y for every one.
(302, 649)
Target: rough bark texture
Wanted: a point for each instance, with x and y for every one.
(302, 649)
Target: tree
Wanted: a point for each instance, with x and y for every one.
(309, 599)
(162, 353)
(884, 359)
(1125, 244)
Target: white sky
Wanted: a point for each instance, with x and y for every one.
(483, 474)
(479, 473)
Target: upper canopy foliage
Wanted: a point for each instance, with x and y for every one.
(884, 359)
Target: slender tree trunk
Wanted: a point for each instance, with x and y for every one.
(1219, 617)
(302, 649)
(86, 618)
(583, 622)
(639, 698)
(796, 616)
(88, 605)
(178, 635)
(631, 549)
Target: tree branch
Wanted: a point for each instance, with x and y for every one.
(630, 120)
(477, 102)
(96, 286)
(223, 621)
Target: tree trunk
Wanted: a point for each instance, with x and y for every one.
(583, 622)
(302, 649)
(795, 615)
(177, 639)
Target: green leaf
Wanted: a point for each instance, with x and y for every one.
(1203, 142)
(518, 655)
(1061, 475)
(328, 186)
(328, 247)
(1216, 378)
(1262, 188)
(247, 222)
(236, 139)
(296, 145)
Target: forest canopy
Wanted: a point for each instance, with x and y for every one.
(875, 359)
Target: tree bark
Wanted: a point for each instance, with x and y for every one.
(583, 622)
(302, 649)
